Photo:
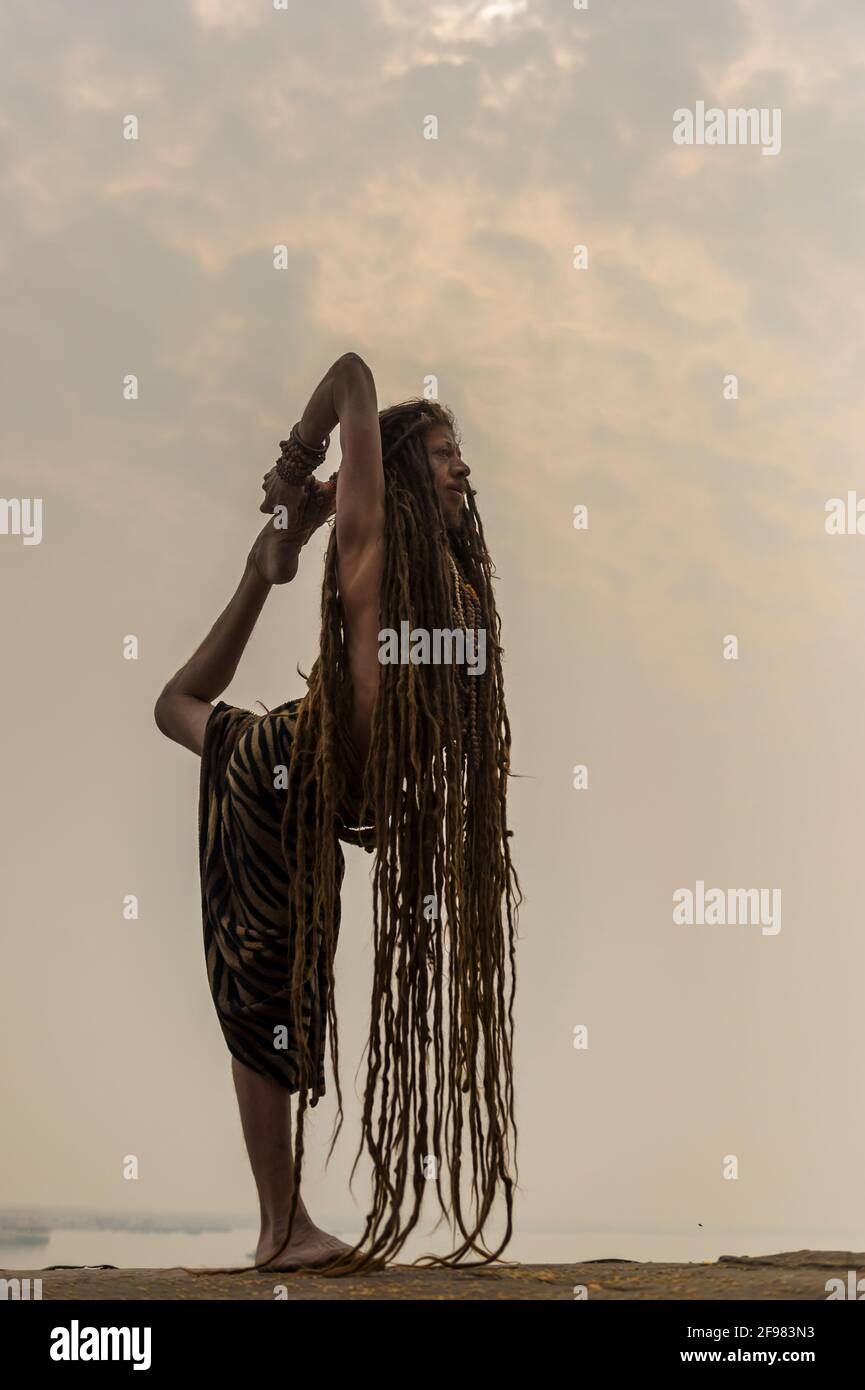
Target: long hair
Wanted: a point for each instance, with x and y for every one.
(439, 1100)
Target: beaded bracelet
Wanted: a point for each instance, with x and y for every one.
(298, 459)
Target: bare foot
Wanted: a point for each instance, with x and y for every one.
(308, 1246)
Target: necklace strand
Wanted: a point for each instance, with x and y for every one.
(467, 611)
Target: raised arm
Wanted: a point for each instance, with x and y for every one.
(360, 486)
(346, 396)
(360, 518)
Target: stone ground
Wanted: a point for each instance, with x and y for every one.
(799, 1274)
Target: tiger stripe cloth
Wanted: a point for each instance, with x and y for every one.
(244, 894)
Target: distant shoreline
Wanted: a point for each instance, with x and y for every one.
(16, 1222)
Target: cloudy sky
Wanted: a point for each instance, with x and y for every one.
(304, 127)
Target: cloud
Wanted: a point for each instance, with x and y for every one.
(231, 16)
(454, 256)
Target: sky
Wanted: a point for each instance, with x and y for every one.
(601, 386)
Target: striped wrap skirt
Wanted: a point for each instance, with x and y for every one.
(245, 884)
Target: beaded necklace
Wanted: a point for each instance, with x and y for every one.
(467, 610)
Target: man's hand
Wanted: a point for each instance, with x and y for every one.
(304, 509)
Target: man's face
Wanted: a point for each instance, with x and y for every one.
(448, 470)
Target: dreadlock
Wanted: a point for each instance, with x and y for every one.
(445, 893)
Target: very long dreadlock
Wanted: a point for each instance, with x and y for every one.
(445, 893)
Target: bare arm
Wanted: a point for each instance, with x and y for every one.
(360, 488)
(360, 517)
(347, 396)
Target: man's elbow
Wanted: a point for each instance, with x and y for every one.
(162, 714)
(352, 369)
